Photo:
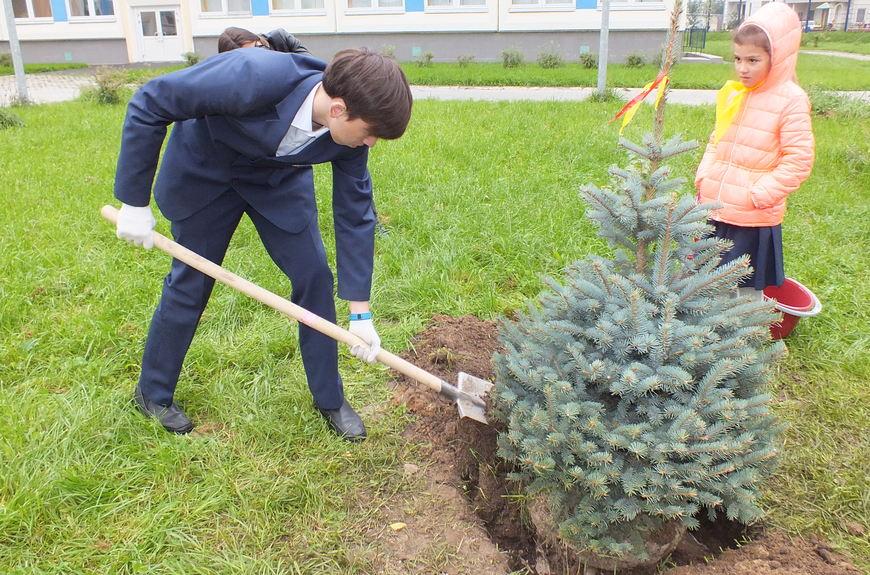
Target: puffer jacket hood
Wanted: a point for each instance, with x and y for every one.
(768, 150)
(783, 29)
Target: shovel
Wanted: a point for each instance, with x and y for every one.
(468, 394)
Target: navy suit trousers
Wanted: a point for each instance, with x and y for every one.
(302, 258)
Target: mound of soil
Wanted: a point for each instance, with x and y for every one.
(472, 498)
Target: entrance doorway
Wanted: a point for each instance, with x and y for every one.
(158, 29)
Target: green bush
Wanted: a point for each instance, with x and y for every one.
(827, 103)
(549, 60)
(465, 61)
(588, 60)
(5, 60)
(512, 58)
(8, 119)
(110, 87)
(609, 95)
(634, 61)
(192, 58)
(425, 60)
(389, 51)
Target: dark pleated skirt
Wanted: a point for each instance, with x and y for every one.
(764, 247)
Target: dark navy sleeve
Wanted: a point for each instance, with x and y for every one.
(237, 83)
(354, 217)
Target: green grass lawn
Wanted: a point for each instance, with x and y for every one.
(36, 68)
(481, 200)
(856, 42)
(813, 70)
(825, 72)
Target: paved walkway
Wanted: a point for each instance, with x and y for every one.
(59, 87)
(849, 55)
(45, 88)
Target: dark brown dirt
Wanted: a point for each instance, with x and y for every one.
(464, 461)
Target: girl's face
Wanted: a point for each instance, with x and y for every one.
(751, 63)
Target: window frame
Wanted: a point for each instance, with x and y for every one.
(93, 18)
(374, 9)
(623, 5)
(225, 12)
(297, 11)
(542, 6)
(455, 6)
(31, 19)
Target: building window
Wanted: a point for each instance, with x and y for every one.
(226, 7)
(861, 13)
(296, 5)
(91, 8)
(542, 3)
(390, 5)
(449, 5)
(31, 8)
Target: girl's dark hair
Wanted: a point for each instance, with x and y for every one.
(373, 88)
(752, 35)
(233, 38)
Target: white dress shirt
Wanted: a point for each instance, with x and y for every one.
(301, 132)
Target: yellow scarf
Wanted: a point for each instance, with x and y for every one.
(729, 100)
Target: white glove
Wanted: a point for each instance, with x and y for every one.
(365, 330)
(135, 225)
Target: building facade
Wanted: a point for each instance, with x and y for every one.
(121, 31)
(816, 16)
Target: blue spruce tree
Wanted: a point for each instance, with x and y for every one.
(633, 391)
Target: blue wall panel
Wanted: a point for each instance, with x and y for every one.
(260, 7)
(58, 11)
(584, 4)
(414, 5)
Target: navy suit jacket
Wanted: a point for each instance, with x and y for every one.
(230, 113)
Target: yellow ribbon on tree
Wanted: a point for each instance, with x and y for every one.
(729, 100)
(630, 109)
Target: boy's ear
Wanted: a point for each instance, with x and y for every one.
(337, 107)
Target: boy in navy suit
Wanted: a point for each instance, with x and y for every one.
(248, 125)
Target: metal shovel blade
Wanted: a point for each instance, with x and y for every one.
(471, 401)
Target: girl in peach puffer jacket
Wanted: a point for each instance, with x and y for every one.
(762, 147)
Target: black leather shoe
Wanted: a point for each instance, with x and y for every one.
(345, 422)
(171, 418)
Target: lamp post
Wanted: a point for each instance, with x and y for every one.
(602, 46)
(15, 49)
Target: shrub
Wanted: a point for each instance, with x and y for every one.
(465, 61)
(389, 51)
(633, 391)
(9, 119)
(550, 59)
(588, 60)
(634, 61)
(192, 58)
(827, 103)
(609, 95)
(5, 60)
(512, 58)
(425, 60)
(110, 87)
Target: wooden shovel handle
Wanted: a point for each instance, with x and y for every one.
(288, 308)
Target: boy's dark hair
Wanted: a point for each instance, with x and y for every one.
(233, 38)
(373, 88)
(752, 35)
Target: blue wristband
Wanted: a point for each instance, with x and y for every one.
(359, 316)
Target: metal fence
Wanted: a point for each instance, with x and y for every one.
(694, 39)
